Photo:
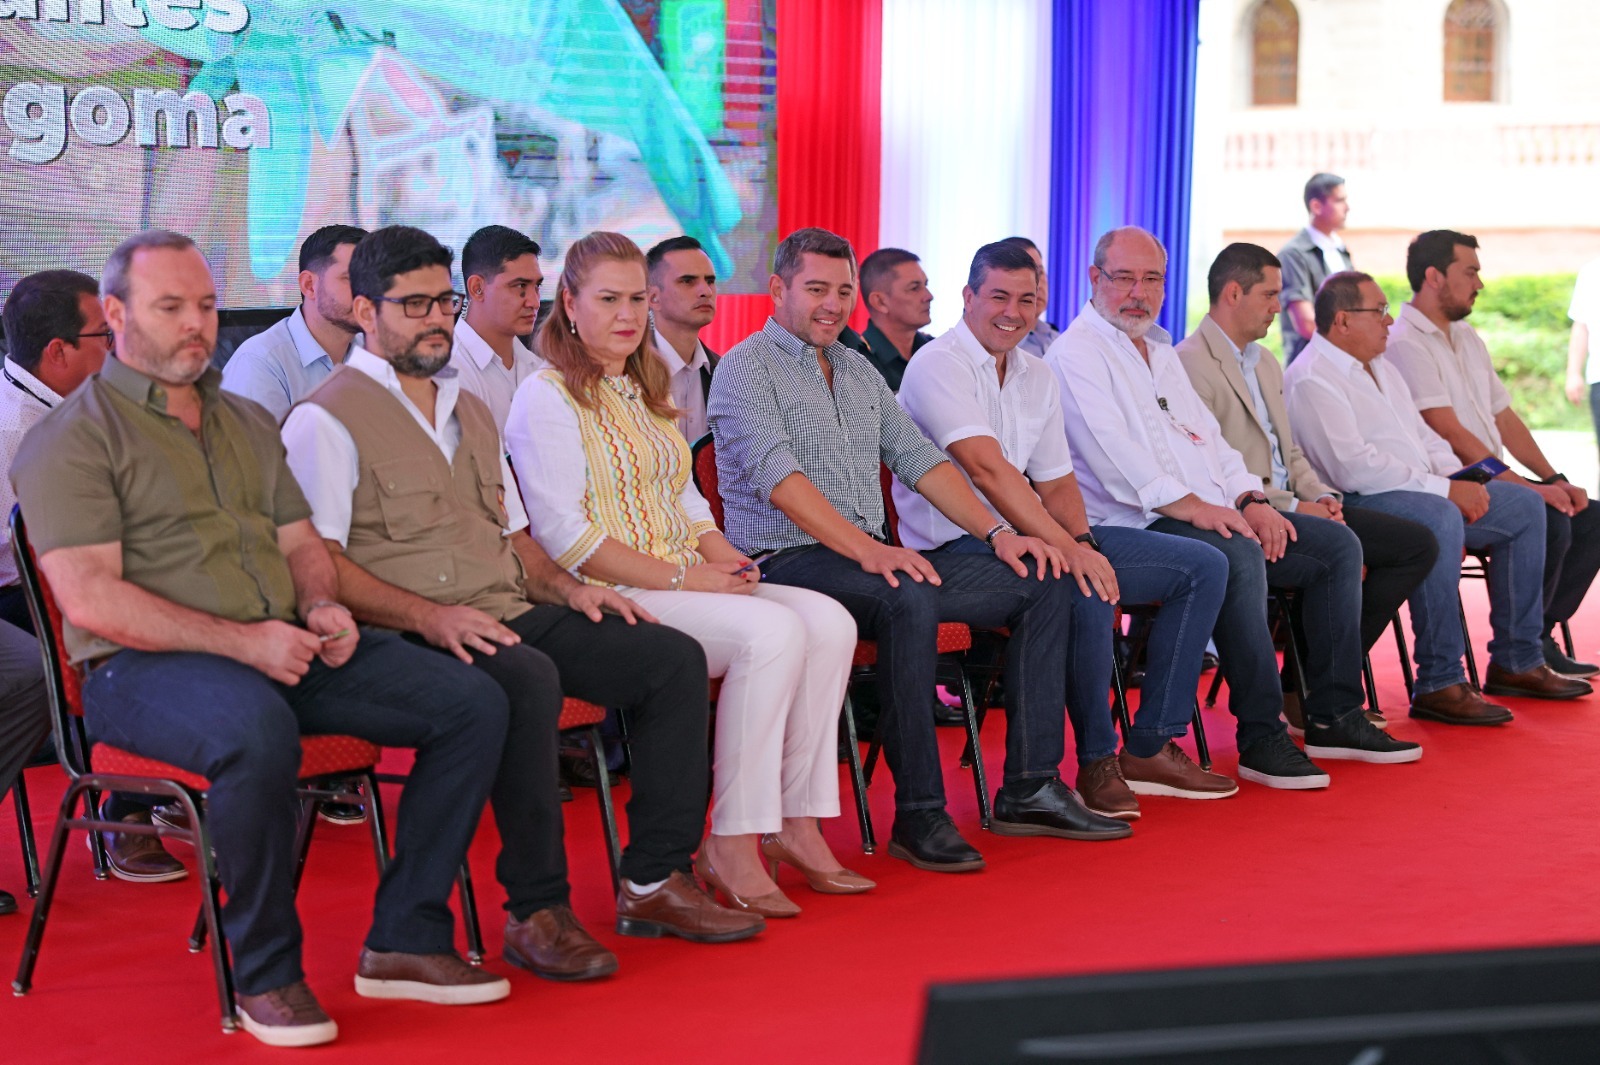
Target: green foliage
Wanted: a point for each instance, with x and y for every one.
(1524, 322)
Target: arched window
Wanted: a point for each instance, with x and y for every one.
(1274, 54)
(1470, 29)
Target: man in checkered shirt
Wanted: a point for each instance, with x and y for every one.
(801, 423)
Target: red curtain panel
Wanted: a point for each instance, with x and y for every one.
(830, 60)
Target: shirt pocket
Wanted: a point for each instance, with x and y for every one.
(411, 498)
(491, 492)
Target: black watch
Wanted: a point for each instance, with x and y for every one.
(1088, 540)
(1555, 478)
(1252, 497)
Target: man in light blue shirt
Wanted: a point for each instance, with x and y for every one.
(280, 365)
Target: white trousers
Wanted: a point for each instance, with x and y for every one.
(784, 658)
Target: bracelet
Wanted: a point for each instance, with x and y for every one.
(1004, 526)
(1252, 497)
(676, 583)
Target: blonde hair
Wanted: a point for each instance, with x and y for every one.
(561, 346)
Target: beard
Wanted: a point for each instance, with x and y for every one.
(334, 314)
(1455, 310)
(1134, 327)
(407, 359)
(170, 365)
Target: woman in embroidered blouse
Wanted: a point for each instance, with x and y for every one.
(606, 478)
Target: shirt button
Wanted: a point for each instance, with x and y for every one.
(391, 485)
(443, 577)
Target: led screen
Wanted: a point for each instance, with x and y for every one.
(249, 123)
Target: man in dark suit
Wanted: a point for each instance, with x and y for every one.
(1310, 257)
(683, 301)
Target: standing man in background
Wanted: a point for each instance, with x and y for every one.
(1308, 259)
(683, 301)
(1583, 349)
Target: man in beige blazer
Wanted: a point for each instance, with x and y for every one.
(1242, 383)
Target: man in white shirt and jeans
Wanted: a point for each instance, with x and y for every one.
(683, 301)
(1149, 454)
(501, 270)
(996, 410)
(1453, 382)
(1356, 421)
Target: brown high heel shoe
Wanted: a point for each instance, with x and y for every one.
(773, 904)
(837, 882)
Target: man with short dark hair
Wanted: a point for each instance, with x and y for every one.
(996, 410)
(407, 482)
(278, 366)
(1242, 385)
(1043, 334)
(1149, 455)
(683, 301)
(1453, 380)
(895, 291)
(1355, 418)
(802, 424)
(205, 610)
(1310, 256)
(501, 269)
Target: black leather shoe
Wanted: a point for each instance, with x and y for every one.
(1557, 660)
(1052, 810)
(948, 716)
(8, 903)
(928, 840)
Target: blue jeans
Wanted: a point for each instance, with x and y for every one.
(1323, 564)
(1046, 618)
(220, 718)
(1513, 531)
(1188, 579)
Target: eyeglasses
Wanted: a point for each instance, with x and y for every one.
(422, 306)
(1380, 310)
(107, 335)
(1125, 282)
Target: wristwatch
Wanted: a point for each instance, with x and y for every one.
(1088, 540)
(1004, 526)
(1555, 478)
(1251, 497)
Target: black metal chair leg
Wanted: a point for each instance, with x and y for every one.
(1566, 639)
(1201, 747)
(375, 822)
(1119, 699)
(858, 780)
(980, 780)
(1405, 658)
(469, 916)
(47, 890)
(1216, 687)
(608, 810)
(211, 910)
(1466, 641)
(97, 844)
(1371, 684)
(30, 846)
(302, 837)
(876, 746)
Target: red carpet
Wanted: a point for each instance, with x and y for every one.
(1489, 841)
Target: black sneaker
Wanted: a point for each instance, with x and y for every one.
(1354, 739)
(928, 840)
(1277, 763)
(1557, 660)
(8, 903)
(1052, 810)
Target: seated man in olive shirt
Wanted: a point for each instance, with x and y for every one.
(204, 606)
(407, 481)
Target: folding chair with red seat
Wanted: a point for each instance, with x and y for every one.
(338, 767)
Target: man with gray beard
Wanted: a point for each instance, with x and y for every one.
(1149, 455)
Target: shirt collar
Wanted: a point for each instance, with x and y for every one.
(1336, 356)
(793, 346)
(964, 341)
(34, 387)
(1326, 241)
(674, 362)
(1157, 335)
(1419, 321)
(148, 392)
(305, 345)
(479, 351)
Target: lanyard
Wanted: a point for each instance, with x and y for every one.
(6, 370)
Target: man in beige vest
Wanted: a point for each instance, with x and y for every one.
(1242, 384)
(407, 483)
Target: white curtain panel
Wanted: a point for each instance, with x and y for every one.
(966, 134)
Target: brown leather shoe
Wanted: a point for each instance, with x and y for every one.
(1459, 704)
(1170, 771)
(1540, 682)
(138, 857)
(680, 907)
(1102, 789)
(445, 979)
(552, 944)
(287, 1016)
